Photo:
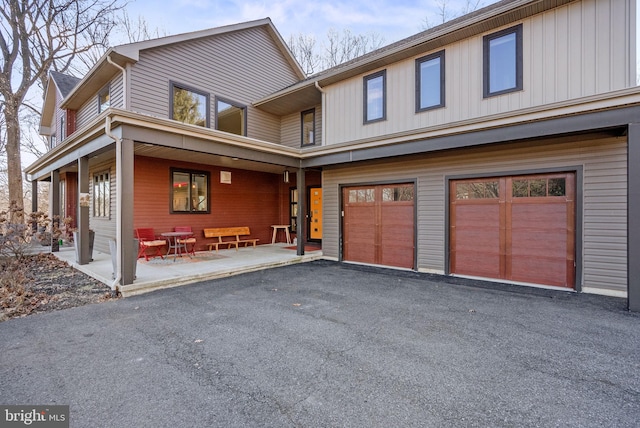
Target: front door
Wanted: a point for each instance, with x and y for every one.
(315, 211)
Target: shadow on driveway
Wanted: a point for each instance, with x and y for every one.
(327, 344)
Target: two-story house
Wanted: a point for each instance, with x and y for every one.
(497, 145)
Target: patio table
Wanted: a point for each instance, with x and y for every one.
(173, 238)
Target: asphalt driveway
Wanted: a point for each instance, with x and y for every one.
(324, 344)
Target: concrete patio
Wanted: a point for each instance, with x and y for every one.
(173, 271)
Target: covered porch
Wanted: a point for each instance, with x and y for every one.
(171, 271)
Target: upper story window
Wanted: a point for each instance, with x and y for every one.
(189, 191)
(231, 117)
(308, 127)
(104, 99)
(189, 105)
(54, 141)
(502, 56)
(375, 97)
(430, 81)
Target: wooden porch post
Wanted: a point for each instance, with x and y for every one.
(125, 209)
(633, 217)
(302, 210)
(55, 207)
(84, 255)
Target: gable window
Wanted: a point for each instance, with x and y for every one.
(308, 127)
(189, 105)
(502, 56)
(375, 97)
(231, 117)
(189, 191)
(430, 82)
(104, 99)
(101, 195)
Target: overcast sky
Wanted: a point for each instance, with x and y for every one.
(391, 19)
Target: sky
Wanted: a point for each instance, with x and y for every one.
(390, 19)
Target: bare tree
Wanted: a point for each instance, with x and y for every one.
(446, 13)
(35, 36)
(338, 48)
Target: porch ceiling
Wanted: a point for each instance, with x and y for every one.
(162, 152)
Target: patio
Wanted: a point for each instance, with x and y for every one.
(173, 271)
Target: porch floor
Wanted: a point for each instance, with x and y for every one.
(157, 273)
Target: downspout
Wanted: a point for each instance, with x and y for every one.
(124, 80)
(118, 267)
(323, 124)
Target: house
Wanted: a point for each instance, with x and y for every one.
(498, 145)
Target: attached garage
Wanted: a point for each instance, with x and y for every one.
(515, 228)
(379, 224)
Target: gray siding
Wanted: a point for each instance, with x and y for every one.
(241, 66)
(604, 213)
(578, 50)
(291, 125)
(105, 228)
(87, 112)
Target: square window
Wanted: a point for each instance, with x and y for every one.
(308, 127)
(430, 81)
(502, 56)
(231, 117)
(189, 106)
(375, 97)
(189, 191)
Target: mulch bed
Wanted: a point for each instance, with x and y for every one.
(44, 283)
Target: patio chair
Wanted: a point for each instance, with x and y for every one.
(149, 241)
(189, 243)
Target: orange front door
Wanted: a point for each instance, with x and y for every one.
(315, 217)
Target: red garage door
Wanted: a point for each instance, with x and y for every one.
(514, 228)
(378, 224)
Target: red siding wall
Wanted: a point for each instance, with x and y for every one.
(252, 199)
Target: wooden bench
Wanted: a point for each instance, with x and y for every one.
(229, 236)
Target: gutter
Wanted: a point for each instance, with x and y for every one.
(118, 270)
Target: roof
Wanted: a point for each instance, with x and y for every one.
(305, 94)
(64, 82)
(102, 71)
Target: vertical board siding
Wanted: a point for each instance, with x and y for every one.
(573, 51)
(242, 66)
(604, 208)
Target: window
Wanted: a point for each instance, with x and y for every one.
(293, 209)
(481, 189)
(101, 195)
(231, 117)
(430, 81)
(189, 105)
(189, 191)
(538, 187)
(104, 100)
(62, 127)
(375, 95)
(503, 62)
(54, 141)
(63, 198)
(308, 127)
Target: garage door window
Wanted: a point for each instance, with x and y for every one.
(539, 187)
(477, 190)
(397, 194)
